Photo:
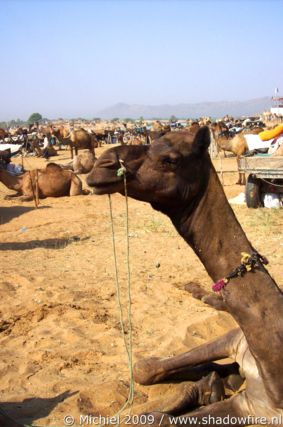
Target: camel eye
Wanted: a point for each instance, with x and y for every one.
(170, 161)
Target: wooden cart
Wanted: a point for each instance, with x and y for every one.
(265, 175)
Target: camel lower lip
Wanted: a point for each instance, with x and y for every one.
(104, 188)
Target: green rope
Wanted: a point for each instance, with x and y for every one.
(129, 344)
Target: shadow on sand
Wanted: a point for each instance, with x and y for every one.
(46, 243)
(10, 212)
(29, 410)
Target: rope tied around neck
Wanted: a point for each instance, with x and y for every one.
(249, 262)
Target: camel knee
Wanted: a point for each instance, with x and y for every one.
(148, 371)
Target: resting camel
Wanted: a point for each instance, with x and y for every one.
(77, 139)
(82, 163)
(176, 176)
(52, 181)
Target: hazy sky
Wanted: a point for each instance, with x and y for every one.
(69, 58)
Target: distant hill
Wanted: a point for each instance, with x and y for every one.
(192, 110)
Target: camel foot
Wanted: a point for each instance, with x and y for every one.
(209, 298)
(211, 389)
(196, 290)
(186, 396)
(205, 392)
(26, 198)
(11, 196)
(148, 371)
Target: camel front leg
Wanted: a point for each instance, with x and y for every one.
(187, 395)
(230, 412)
(76, 187)
(11, 196)
(71, 151)
(153, 370)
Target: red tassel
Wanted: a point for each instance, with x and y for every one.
(218, 286)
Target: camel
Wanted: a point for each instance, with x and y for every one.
(82, 163)
(176, 176)
(52, 181)
(77, 139)
(236, 145)
(3, 133)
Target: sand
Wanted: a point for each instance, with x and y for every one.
(61, 350)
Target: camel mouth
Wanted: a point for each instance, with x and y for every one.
(105, 187)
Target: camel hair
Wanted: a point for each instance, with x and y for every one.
(51, 181)
(176, 176)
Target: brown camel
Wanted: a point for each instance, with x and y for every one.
(3, 133)
(236, 144)
(76, 139)
(82, 163)
(52, 181)
(176, 176)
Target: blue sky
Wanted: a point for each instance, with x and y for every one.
(69, 58)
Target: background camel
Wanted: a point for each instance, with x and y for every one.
(236, 144)
(52, 181)
(76, 139)
(175, 175)
(3, 133)
(81, 163)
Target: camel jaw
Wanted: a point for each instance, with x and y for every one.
(107, 188)
(102, 183)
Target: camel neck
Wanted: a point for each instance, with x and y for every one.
(254, 300)
(214, 233)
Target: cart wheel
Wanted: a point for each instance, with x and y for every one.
(253, 192)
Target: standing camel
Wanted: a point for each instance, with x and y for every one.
(76, 139)
(176, 176)
(235, 144)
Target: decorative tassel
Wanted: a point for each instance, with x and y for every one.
(218, 286)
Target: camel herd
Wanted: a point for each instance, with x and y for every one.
(228, 134)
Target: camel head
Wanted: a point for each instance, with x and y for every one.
(171, 172)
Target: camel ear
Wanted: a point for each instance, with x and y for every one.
(202, 140)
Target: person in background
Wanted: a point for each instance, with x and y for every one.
(45, 147)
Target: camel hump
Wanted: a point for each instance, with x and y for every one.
(53, 168)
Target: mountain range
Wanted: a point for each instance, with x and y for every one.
(190, 110)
